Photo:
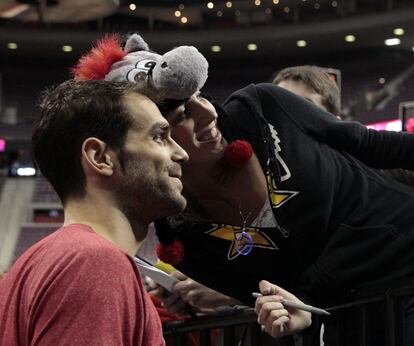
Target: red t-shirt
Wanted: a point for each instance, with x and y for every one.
(76, 288)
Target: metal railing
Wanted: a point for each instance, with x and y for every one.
(374, 321)
(236, 327)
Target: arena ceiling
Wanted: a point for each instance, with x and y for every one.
(225, 30)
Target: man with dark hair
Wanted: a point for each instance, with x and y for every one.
(108, 153)
(312, 83)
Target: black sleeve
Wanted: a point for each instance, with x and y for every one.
(378, 149)
(227, 283)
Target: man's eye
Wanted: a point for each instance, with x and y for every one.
(159, 137)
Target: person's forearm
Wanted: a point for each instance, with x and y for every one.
(226, 300)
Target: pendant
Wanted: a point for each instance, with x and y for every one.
(243, 242)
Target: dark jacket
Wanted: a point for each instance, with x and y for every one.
(343, 226)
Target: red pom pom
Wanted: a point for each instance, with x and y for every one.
(97, 63)
(171, 253)
(410, 125)
(238, 153)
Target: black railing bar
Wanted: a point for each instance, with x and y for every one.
(210, 321)
(396, 292)
(178, 339)
(364, 324)
(256, 333)
(229, 335)
(390, 315)
(356, 304)
(205, 337)
(401, 291)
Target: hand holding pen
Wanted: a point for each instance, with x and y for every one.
(276, 318)
(300, 306)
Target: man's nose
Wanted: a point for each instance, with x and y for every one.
(179, 154)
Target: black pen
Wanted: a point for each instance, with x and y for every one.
(299, 306)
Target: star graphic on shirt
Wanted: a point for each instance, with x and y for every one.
(226, 232)
(278, 197)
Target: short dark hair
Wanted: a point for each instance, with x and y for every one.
(70, 113)
(316, 79)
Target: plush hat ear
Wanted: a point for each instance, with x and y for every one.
(97, 63)
(180, 72)
(135, 43)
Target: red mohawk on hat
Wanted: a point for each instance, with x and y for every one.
(97, 63)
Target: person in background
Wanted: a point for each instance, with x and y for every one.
(313, 84)
(107, 152)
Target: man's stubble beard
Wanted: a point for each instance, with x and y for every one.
(143, 196)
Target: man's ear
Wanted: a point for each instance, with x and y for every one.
(96, 155)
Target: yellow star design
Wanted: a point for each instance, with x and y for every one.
(279, 197)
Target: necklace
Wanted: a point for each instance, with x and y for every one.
(243, 240)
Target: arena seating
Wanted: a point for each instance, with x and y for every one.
(30, 235)
(43, 192)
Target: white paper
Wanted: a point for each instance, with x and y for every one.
(159, 276)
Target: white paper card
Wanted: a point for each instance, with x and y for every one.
(159, 276)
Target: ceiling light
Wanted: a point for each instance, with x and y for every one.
(392, 41)
(381, 80)
(67, 48)
(184, 20)
(237, 13)
(229, 4)
(252, 46)
(301, 43)
(276, 2)
(181, 7)
(286, 9)
(317, 6)
(132, 7)
(268, 11)
(257, 2)
(215, 49)
(12, 45)
(177, 13)
(26, 171)
(210, 5)
(398, 31)
(219, 14)
(350, 38)
(334, 4)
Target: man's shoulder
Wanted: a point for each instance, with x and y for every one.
(81, 235)
(75, 245)
(81, 242)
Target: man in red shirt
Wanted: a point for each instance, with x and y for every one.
(108, 153)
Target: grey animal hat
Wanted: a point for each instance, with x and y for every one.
(175, 75)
